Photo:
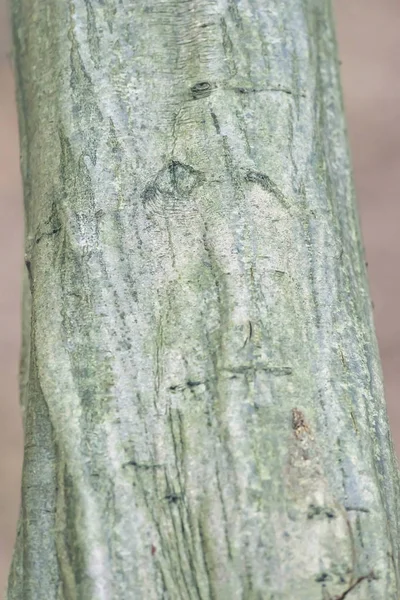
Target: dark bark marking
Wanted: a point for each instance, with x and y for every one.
(204, 552)
(216, 123)
(315, 511)
(359, 531)
(235, 13)
(202, 89)
(189, 385)
(183, 548)
(242, 369)
(368, 577)
(268, 185)
(340, 463)
(309, 240)
(299, 423)
(323, 577)
(253, 90)
(28, 265)
(175, 498)
(192, 384)
(47, 233)
(144, 466)
(171, 188)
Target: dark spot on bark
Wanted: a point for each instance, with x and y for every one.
(173, 498)
(153, 550)
(242, 90)
(192, 384)
(320, 512)
(322, 577)
(202, 89)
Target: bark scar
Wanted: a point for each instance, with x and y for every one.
(202, 89)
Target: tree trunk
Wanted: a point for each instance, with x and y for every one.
(203, 406)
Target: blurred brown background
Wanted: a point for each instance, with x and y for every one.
(369, 45)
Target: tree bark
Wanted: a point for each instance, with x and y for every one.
(202, 394)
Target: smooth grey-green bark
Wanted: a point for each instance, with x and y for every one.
(202, 394)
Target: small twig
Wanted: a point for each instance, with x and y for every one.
(342, 596)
